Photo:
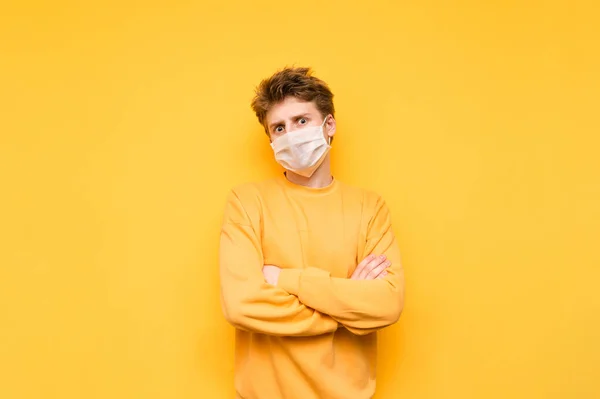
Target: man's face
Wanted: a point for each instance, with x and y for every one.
(292, 114)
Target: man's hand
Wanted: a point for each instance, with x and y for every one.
(371, 267)
(271, 273)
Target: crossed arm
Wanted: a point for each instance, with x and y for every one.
(305, 302)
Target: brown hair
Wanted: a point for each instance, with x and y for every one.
(291, 81)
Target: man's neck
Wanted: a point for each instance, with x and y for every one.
(321, 178)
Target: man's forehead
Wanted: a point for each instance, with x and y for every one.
(289, 108)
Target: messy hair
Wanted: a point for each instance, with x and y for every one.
(291, 81)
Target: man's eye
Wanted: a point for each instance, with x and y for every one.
(302, 121)
(279, 129)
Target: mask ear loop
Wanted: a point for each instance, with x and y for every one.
(323, 126)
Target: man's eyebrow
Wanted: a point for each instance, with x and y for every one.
(305, 115)
(274, 124)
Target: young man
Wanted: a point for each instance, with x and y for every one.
(310, 268)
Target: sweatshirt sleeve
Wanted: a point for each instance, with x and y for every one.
(362, 306)
(248, 302)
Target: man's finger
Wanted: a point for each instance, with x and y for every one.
(371, 265)
(361, 266)
(382, 275)
(373, 274)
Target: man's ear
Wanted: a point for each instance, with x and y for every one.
(330, 126)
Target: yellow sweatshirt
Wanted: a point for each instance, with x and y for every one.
(311, 336)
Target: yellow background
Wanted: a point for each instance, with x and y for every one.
(124, 124)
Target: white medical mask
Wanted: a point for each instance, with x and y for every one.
(302, 151)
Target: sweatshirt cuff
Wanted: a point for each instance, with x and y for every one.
(316, 272)
(289, 280)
